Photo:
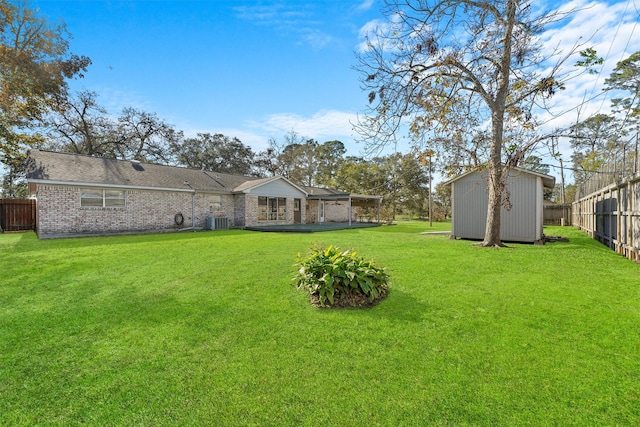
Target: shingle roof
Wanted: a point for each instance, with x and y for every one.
(79, 169)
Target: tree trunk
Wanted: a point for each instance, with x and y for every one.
(496, 180)
(494, 185)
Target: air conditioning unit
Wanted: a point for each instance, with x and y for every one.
(217, 223)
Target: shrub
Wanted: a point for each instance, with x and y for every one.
(333, 277)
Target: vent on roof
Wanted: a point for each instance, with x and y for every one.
(136, 165)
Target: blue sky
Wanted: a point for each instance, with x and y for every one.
(258, 69)
(252, 70)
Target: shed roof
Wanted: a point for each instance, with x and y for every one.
(548, 181)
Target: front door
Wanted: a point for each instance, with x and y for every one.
(297, 212)
(320, 211)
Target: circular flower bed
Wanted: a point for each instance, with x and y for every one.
(336, 278)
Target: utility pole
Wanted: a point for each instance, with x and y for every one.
(424, 158)
(430, 195)
(556, 154)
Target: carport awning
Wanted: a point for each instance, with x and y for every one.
(364, 199)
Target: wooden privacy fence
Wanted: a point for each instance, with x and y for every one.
(553, 214)
(17, 214)
(611, 215)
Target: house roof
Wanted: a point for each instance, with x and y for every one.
(253, 184)
(324, 192)
(548, 181)
(76, 169)
(64, 168)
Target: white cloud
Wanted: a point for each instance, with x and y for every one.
(257, 141)
(316, 39)
(322, 125)
(365, 5)
(610, 29)
(288, 18)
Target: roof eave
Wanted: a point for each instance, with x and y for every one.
(104, 185)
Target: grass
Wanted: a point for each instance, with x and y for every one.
(206, 329)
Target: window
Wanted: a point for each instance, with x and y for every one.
(272, 208)
(97, 198)
(282, 209)
(215, 203)
(262, 208)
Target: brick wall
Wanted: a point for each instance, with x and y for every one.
(60, 213)
(251, 212)
(334, 211)
(240, 208)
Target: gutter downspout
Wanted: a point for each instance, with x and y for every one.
(193, 208)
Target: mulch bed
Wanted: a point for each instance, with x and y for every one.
(349, 301)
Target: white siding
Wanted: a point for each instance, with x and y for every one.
(469, 205)
(277, 188)
(522, 223)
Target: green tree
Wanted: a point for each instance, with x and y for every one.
(449, 66)
(218, 153)
(331, 156)
(306, 162)
(267, 162)
(301, 162)
(593, 141)
(625, 77)
(399, 178)
(34, 68)
(356, 175)
(442, 201)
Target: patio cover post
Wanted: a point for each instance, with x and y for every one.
(349, 210)
(378, 211)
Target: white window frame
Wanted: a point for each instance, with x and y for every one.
(102, 198)
(215, 203)
(272, 208)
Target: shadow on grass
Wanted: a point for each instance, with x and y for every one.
(29, 240)
(398, 306)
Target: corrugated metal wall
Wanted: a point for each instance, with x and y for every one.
(523, 223)
(469, 205)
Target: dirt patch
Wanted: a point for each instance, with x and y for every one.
(349, 301)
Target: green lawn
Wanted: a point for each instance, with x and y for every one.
(206, 329)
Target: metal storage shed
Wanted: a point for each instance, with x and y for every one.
(523, 223)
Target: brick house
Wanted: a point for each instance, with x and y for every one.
(79, 195)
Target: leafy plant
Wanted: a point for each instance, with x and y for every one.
(333, 277)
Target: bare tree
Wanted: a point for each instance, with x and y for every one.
(78, 124)
(458, 66)
(144, 136)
